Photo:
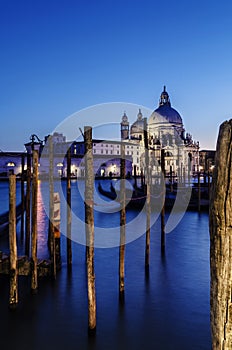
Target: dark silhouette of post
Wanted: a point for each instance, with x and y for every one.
(69, 212)
(220, 221)
(148, 193)
(199, 192)
(209, 184)
(135, 176)
(163, 184)
(51, 238)
(22, 196)
(122, 223)
(89, 219)
(34, 272)
(28, 206)
(13, 300)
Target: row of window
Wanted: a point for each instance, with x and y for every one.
(106, 152)
(106, 145)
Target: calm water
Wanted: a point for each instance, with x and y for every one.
(169, 309)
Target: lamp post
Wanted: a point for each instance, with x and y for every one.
(34, 145)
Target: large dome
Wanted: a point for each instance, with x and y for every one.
(165, 113)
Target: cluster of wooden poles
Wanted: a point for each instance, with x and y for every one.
(30, 206)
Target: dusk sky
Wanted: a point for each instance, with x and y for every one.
(58, 57)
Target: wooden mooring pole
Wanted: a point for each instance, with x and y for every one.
(148, 193)
(51, 238)
(122, 223)
(135, 176)
(199, 192)
(164, 194)
(221, 242)
(22, 197)
(13, 300)
(34, 272)
(89, 219)
(28, 206)
(69, 212)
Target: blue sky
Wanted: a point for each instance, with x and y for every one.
(58, 57)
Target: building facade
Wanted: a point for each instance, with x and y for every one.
(165, 132)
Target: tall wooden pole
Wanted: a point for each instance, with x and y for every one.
(148, 199)
(209, 183)
(199, 192)
(28, 206)
(22, 197)
(135, 176)
(34, 277)
(89, 219)
(163, 208)
(69, 212)
(220, 221)
(122, 223)
(13, 300)
(51, 238)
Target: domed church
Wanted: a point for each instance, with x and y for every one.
(165, 131)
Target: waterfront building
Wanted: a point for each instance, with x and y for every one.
(10, 163)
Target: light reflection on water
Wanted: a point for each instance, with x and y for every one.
(169, 309)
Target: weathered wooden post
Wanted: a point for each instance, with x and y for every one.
(163, 184)
(13, 300)
(199, 192)
(34, 274)
(28, 206)
(135, 176)
(148, 193)
(51, 238)
(142, 179)
(221, 242)
(122, 223)
(69, 212)
(209, 184)
(171, 180)
(22, 197)
(89, 219)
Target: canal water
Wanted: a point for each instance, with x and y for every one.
(167, 309)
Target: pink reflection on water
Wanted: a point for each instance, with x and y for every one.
(42, 227)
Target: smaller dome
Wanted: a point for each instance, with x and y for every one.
(138, 126)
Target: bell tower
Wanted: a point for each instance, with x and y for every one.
(124, 127)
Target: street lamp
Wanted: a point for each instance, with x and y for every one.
(34, 145)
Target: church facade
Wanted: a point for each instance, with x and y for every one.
(165, 132)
